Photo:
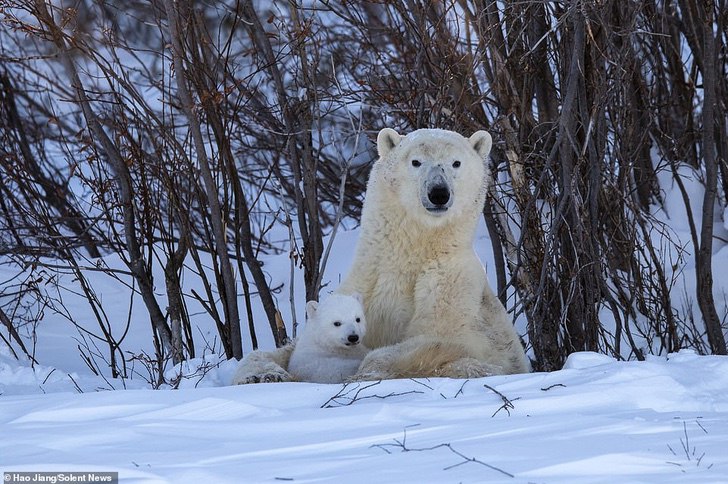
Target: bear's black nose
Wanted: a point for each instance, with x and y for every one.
(353, 338)
(439, 195)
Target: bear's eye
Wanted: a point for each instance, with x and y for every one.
(456, 164)
(337, 323)
(358, 320)
(416, 163)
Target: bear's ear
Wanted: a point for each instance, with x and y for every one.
(387, 140)
(358, 297)
(481, 143)
(311, 308)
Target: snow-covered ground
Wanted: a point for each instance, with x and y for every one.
(597, 420)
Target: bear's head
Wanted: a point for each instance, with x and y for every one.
(337, 321)
(436, 175)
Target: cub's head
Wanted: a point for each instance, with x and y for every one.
(435, 174)
(337, 321)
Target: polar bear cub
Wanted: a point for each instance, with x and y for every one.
(330, 348)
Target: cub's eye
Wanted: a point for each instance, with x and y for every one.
(456, 164)
(416, 163)
(337, 323)
(358, 320)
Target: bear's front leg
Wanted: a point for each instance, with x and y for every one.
(377, 365)
(422, 357)
(264, 367)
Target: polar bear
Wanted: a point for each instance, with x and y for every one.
(330, 349)
(429, 308)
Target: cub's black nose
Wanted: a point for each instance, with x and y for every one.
(353, 338)
(439, 195)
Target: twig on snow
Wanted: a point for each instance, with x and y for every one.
(690, 453)
(553, 386)
(402, 444)
(343, 397)
(459, 392)
(507, 403)
(422, 383)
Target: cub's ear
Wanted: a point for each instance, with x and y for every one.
(311, 308)
(387, 140)
(481, 143)
(358, 297)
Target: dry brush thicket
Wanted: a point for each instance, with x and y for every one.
(186, 137)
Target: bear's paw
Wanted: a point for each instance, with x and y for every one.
(469, 368)
(270, 373)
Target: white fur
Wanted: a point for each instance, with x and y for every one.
(429, 308)
(324, 352)
(421, 280)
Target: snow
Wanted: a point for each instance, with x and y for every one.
(597, 420)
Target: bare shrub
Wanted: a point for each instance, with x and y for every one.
(179, 136)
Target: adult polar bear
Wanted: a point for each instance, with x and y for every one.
(428, 305)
